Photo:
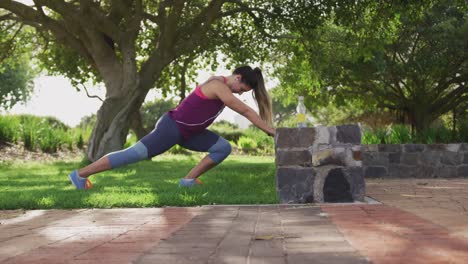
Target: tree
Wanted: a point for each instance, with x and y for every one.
(16, 74)
(412, 61)
(130, 44)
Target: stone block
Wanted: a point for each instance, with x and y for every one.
(430, 157)
(453, 147)
(462, 171)
(332, 135)
(436, 147)
(423, 171)
(410, 158)
(375, 159)
(322, 136)
(295, 184)
(324, 157)
(370, 148)
(293, 157)
(414, 147)
(402, 171)
(464, 147)
(348, 134)
(446, 172)
(389, 147)
(394, 158)
(357, 152)
(465, 158)
(375, 172)
(450, 158)
(294, 137)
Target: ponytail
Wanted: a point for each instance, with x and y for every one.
(254, 79)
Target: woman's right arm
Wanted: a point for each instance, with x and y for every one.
(225, 95)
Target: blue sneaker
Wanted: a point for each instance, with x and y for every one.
(189, 182)
(78, 182)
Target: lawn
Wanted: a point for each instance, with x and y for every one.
(238, 180)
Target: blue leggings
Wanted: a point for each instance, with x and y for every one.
(165, 135)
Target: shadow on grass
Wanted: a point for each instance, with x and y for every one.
(238, 180)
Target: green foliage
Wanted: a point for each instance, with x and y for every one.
(390, 56)
(151, 111)
(401, 134)
(247, 144)
(9, 129)
(39, 133)
(229, 131)
(16, 73)
(375, 136)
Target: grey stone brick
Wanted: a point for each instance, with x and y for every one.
(414, 147)
(410, 158)
(465, 159)
(450, 158)
(348, 134)
(402, 171)
(464, 147)
(436, 147)
(293, 157)
(462, 171)
(375, 172)
(389, 147)
(394, 157)
(423, 171)
(431, 158)
(375, 159)
(294, 137)
(370, 148)
(295, 185)
(453, 147)
(446, 172)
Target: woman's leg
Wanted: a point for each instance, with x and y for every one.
(164, 136)
(207, 141)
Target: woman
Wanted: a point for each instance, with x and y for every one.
(186, 125)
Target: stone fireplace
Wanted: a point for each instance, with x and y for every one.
(319, 164)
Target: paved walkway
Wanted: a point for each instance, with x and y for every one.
(420, 221)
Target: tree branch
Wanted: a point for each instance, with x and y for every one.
(91, 96)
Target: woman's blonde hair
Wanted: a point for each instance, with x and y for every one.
(254, 79)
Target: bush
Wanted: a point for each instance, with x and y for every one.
(399, 134)
(9, 129)
(229, 131)
(247, 144)
(265, 143)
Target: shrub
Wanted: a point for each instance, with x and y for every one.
(229, 131)
(247, 144)
(463, 130)
(400, 134)
(9, 129)
(265, 143)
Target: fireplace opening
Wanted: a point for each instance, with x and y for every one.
(336, 188)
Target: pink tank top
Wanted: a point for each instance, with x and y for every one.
(196, 112)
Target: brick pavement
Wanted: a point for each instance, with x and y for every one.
(420, 221)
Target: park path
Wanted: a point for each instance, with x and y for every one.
(417, 221)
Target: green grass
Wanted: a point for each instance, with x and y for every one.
(238, 180)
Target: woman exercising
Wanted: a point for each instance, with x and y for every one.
(186, 125)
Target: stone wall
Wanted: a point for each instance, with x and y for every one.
(415, 160)
(311, 161)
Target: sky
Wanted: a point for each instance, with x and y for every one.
(55, 96)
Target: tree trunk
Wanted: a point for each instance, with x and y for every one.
(113, 122)
(420, 118)
(137, 125)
